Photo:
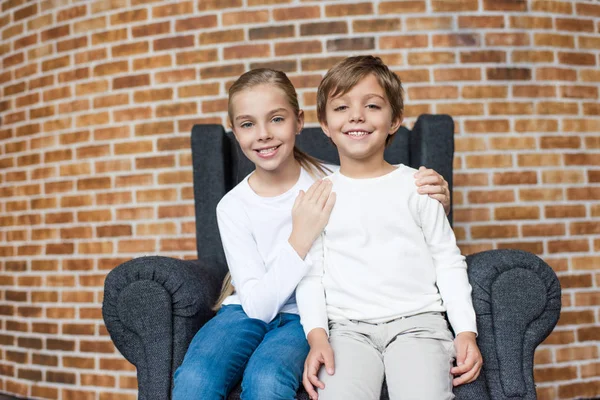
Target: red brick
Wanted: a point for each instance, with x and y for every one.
(169, 10)
(412, 6)
(194, 23)
(376, 25)
(174, 42)
(131, 81)
(568, 246)
(571, 58)
(401, 42)
(180, 75)
(579, 390)
(556, 74)
(552, 6)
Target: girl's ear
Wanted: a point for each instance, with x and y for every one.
(300, 121)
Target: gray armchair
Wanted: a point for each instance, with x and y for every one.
(153, 306)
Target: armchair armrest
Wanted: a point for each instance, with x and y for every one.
(152, 308)
(517, 299)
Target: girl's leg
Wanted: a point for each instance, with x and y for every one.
(418, 361)
(275, 369)
(217, 355)
(359, 366)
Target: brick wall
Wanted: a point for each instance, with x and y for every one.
(98, 98)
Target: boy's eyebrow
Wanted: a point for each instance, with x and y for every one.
(367, 96)
(280, 109)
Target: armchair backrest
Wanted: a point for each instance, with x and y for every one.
(219, 165)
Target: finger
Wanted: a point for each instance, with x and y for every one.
(311, 190)
(329, 204)
(319, 190)
(313, 370)
(299, 198)
(422, 170)
(465, 378)
(324, 195)
(329, 362)
(308, 386)
(316, 382)
(459, 370)
(432, 179)
(431, 189)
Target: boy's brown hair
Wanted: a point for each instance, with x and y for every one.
(341, 78)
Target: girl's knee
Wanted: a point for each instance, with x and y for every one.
(195, 382)
(270, 381)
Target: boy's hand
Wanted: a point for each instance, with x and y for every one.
(320, 353)
(431, 183)
(468, 359)
(310, 215)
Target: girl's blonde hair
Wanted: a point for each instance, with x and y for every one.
(278, 79)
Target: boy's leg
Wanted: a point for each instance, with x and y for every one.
(358, 364)
(217, 355)
(275, 369)
(419, 358)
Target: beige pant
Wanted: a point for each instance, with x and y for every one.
(414, 354)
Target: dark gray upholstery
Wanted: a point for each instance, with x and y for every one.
(153, 306)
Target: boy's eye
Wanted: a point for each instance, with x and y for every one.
(373, 106)
(246, 124)
(277, 119)
(340, 108)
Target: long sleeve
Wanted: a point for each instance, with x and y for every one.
(263, 286)
(450, 265)
(310, 294)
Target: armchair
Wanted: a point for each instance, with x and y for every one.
(153, 306)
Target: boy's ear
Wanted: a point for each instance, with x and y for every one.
(396, 124)
(300, 121)
(325, 129)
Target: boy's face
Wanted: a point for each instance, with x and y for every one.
(265, 125)
(360, 121)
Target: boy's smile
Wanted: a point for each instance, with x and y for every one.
(359, 122)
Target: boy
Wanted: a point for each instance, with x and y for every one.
(390, 265)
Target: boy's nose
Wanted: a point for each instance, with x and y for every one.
(356, 115)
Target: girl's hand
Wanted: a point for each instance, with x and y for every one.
(468, 359)
(320, 353)
(310, 215)
(431, 183)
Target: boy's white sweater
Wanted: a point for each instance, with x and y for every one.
(386, 250)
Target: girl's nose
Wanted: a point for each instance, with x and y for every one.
(264, 134)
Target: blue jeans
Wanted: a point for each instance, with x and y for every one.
(268, 358)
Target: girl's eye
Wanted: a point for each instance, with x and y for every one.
(277, 119)
(246, 125)
(373, 106)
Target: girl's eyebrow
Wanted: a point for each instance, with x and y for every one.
(280, 109)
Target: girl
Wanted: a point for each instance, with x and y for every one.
(256, 336)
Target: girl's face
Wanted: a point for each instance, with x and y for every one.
(265, 125)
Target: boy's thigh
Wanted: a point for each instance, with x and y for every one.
(418, 362)
(359, 369)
